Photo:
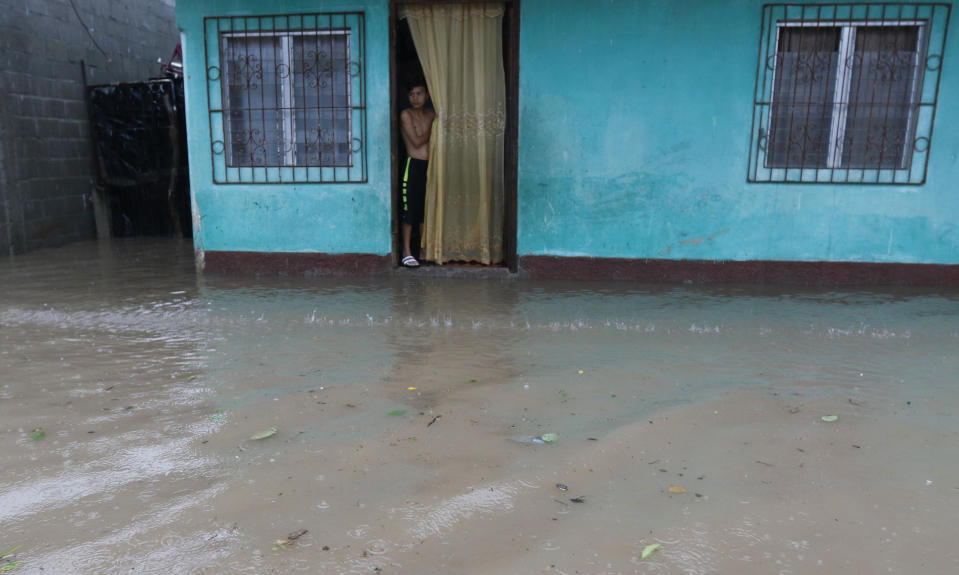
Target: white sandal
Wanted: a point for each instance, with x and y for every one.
(410, 262)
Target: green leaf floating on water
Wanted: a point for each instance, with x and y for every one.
(830, 418)
(549, 437)
(7, 564)
(649, 550)
(38, 434)
(397, 412)
(264, 434)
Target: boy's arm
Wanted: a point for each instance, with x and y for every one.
(409, 130)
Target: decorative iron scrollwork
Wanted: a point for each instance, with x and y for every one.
(317, 70)
(288, 99)
(245, 71)
(771, 62)
(843, 92)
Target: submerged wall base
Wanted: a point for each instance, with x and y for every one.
(818, 274)
(821, 274)
(296, 264)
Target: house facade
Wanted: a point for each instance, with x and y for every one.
(701, 140)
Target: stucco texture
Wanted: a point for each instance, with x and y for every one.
(634, 143)
(312, 218)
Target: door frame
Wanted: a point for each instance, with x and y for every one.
(510, 141)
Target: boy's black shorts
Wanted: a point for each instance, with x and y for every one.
(413, 196)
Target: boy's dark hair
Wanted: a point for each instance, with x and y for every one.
(415, 82)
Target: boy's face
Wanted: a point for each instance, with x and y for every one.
(418, 96)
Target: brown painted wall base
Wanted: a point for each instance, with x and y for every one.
(822, 274)
(749, 272)
(297, 264)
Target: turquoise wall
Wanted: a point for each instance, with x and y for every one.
(325, 218)
(634, 140)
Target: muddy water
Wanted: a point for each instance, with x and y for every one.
(407, 411)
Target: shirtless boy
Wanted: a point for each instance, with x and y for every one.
(416, 124)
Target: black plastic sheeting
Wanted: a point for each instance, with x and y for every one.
(139, 132)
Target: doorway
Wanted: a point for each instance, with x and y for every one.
(404, 65)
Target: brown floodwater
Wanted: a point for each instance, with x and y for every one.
(423, 424)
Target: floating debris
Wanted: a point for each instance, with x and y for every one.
(397, 412)
(830, 418)
(296, 535)
(264, 434)
(290, 539)
(677, 489)
(561, 486)
(37, 434)
(538, 440)
(6, 563)
(649, 550)
(580, 499)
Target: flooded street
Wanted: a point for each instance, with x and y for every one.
(415, 417)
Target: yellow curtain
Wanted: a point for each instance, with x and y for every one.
(460, 47)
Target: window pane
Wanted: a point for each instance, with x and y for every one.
(255, 138)
(308, 152)
(321, 83)
(254, 128)
(803, 96)
(881, 98)
(344, 141)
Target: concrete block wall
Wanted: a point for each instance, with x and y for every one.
(46, 172)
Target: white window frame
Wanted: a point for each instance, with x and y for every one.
(847, 47)
(287, 92)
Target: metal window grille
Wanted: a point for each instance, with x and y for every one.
(846, 93)
(287, 98)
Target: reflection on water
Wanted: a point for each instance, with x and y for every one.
(131, 387)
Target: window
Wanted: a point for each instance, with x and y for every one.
(286, 98)
(847, 93)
